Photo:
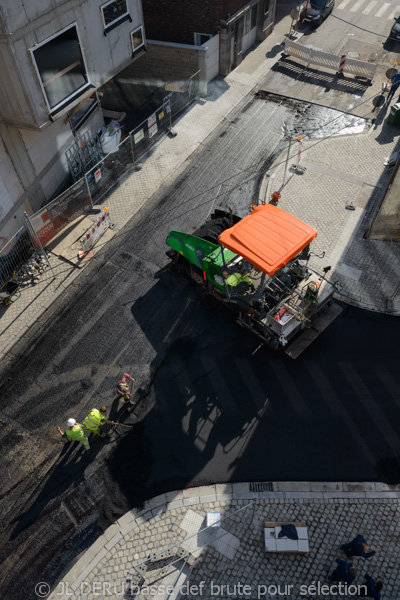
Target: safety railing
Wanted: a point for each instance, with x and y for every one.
(15, 254)
(330, 61)
(22, 259)
(55, 216)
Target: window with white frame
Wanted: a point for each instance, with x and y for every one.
(60, 66)
(137, 39)
(201, 38)
(113, 11)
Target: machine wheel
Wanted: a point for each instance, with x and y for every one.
(7, 301)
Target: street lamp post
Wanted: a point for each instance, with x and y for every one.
(287, 132)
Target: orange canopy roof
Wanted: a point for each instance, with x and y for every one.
(268, 237)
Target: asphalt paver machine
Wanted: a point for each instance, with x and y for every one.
(276, 294)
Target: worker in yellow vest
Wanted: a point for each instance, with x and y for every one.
(95, 420)
(238, 280)
(75, 433)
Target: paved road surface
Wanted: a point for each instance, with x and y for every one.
(210, 406)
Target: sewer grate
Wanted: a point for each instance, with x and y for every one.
(265, 486)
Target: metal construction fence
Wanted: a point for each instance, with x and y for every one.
(98, 181)
(17, 253)
(330, 61)
(55, 216)
(141, 140)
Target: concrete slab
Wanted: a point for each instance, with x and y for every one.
(240, 487)
(227, 545)
(204, 490)
(348, 271)
(292, 486)
(223, 488)
(359, 486)
(110, 532)
(192, 521)
(330, 486)
(191, 501)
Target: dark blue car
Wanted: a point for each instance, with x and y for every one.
(315, 11)
(395, 31)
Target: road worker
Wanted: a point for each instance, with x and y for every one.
(395, 84)
(75, 433)
(123, 387)
(95, 419)
(238, 280)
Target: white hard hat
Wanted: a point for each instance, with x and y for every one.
(71, 422)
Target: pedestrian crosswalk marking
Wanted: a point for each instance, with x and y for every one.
(290, 389)
(344, 4)
(257, 394)
(370, 6)
(223, 390)
(371, 406)
(382, 9)
(357, 5)
(338, 407)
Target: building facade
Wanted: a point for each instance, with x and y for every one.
(237, 23)
(54, 55)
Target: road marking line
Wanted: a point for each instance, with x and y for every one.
(257, 394)
(389, 384)
(289, 389)
(377, 415)
(370, 6)
(222, 390)
(357, 6)
(338, 408)
(343, 4)
(382, 9)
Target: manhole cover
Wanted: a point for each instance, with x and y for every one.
(353, 55)
(390, 72)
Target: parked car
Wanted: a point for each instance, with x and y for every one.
(315, 11)
(395, 31)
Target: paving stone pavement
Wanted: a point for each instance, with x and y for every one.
(342, 170)
(233, 555)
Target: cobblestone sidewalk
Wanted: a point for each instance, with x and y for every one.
(234, 564)
(338, 172)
